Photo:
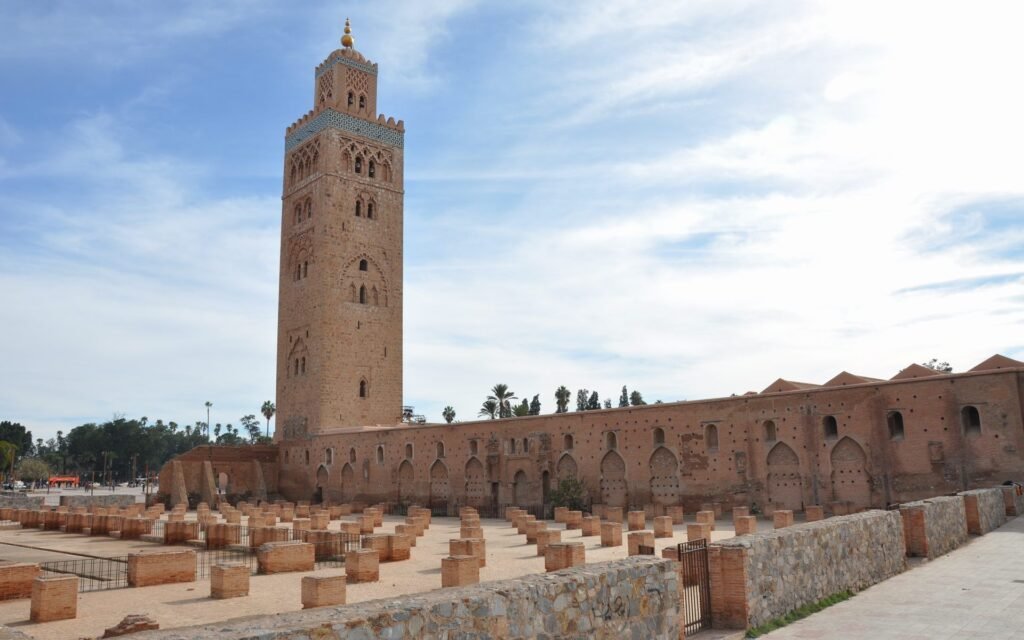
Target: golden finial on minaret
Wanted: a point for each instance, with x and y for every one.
(347, 40)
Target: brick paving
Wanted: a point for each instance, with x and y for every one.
(974, 592)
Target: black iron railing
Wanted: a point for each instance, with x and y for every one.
(695, 588)
(94, 574)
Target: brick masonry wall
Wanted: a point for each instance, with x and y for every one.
(762, 576)
(935, 526)
(16, 580)
(985, 508)
(162, 567)
(632, 598)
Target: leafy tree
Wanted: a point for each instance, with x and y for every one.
(582, 395)
(535, 405)
(8, 452)
(522, 409)
(489, 408)
(624, 398)
(562, 395)
(216, 431)
(607, 403)
(594, 402)
(570, 493)
(636, 399)
(935, 365)
(448, 413)
(251, 426)
(18, 435)
(504, 397)
(268, 410)
(33, 469)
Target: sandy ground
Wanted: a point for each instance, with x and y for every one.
(177, 605)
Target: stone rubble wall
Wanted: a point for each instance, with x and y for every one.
(986, 510)
(1013, 495)
(20, 501)
(633, 598)
(109, 500)
(935, 526)
(759, 577)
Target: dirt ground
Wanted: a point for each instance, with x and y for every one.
(176, 605)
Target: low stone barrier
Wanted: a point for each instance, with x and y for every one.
(632, 598)
(16, 580)
(229, 581)
(756, 578)
(322, 591)
(113, 500)
(20, 501)
(985, 509)
(935, 526)
(179, 532)
(54, 598)
(281, 557)
(1013, 497)
(161, 567)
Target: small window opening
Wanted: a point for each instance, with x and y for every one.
(711, 437)
(362, 102)
(362, 294)
(380, 454)
(830, 427)
(307, 456)
(408, 452)
(359, 206)
(305, 269)
(769, 431)
(472, 447)
(359, 165)
(526, 445)
(363, 265)
(369, 210)
(352, 455)
(372, 171)
(971, 420)
(610, 441)
(329, 456)
(895, 420)
(567, 441)
(440, 449)
(659, 436)
(351, 98)
(362, 388)
(296, 366)
(303, 365)
(309, 209)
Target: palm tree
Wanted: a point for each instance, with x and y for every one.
(448, 413)
(502, 395)
(269, 410)
(7, 454)
(489, 408)
(208, 405)
(562, 395)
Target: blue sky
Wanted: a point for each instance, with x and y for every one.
(690, 198)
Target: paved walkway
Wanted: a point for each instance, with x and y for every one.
(976, 591)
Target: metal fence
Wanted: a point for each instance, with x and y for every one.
(94, 574)
(205, 560)
(695, 589)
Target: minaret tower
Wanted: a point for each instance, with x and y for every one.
(339, 339)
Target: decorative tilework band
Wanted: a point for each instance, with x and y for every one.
(337, 58)
(330, 118)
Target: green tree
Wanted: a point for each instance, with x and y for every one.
(535, 405)
(624, 398)
(268, 410)
(562, 396)
(18, 435)
(8, 452)
(636, 399)
(448, 413)
(935, 365)
(569, 493)
(216, 431)
(607, 403)
(489, 408)
(504, 397)
(582, 396)
(522, 409)
(251, 426)
(33, 469)
(594, 402)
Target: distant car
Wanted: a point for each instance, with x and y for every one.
(19, 485)
(8, 486)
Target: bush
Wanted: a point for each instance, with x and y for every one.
(570, 493)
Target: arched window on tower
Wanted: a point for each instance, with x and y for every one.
(363, 265)
(372, 171)
(352, 292)
(567, 442)
(309, 209)
(359, 164)
(351, 98)
(362, 389)
(329, 456)
(769, 431)
(711, 437)
(526, 445)
(375, 297)
(298, 213)
(352, 455)
(296, 366)
(830, 427)
(895, 421)
(440, 449)
(408, 451)
(298, 271)
(970, 419)
(362, 294)
(303, 367)
(307, 456)
(369, 210)
(359, 207)
(659, 436)
(610, 440)
(380, 454)
(362, 102)
(305, 269)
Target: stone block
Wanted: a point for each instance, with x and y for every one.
(985, 509)
(698, 531)
(563, 555)
(300, 524)
(783, 518)
(475, 547)
(663, 527)
(814, 512)
(399, 546)
(302, 511)
(286, 515)
(935, 526)
(362, 565)
(637, 520)
(473, 532)
(161, 567)
(707, 517)
(319, 521)
(636, 539)
(406, 530)
(470, 521)
(522, 521)
(222, 535)
(351, 528)
(379, 543)
(322, 591)
(611, 534)
(229, 581)
(54, 598)
(745, 525)
(531, 530)
(283, 557)
(675, 512)
(16, 580)
(233, 517)
(135, 528)
(366, 522)
(738, 512)
(77, 522)
(560, 514)
(459, 571)
(262, 535)
(590, 526)
(573, 520)
(180, 532)
(544, 538)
